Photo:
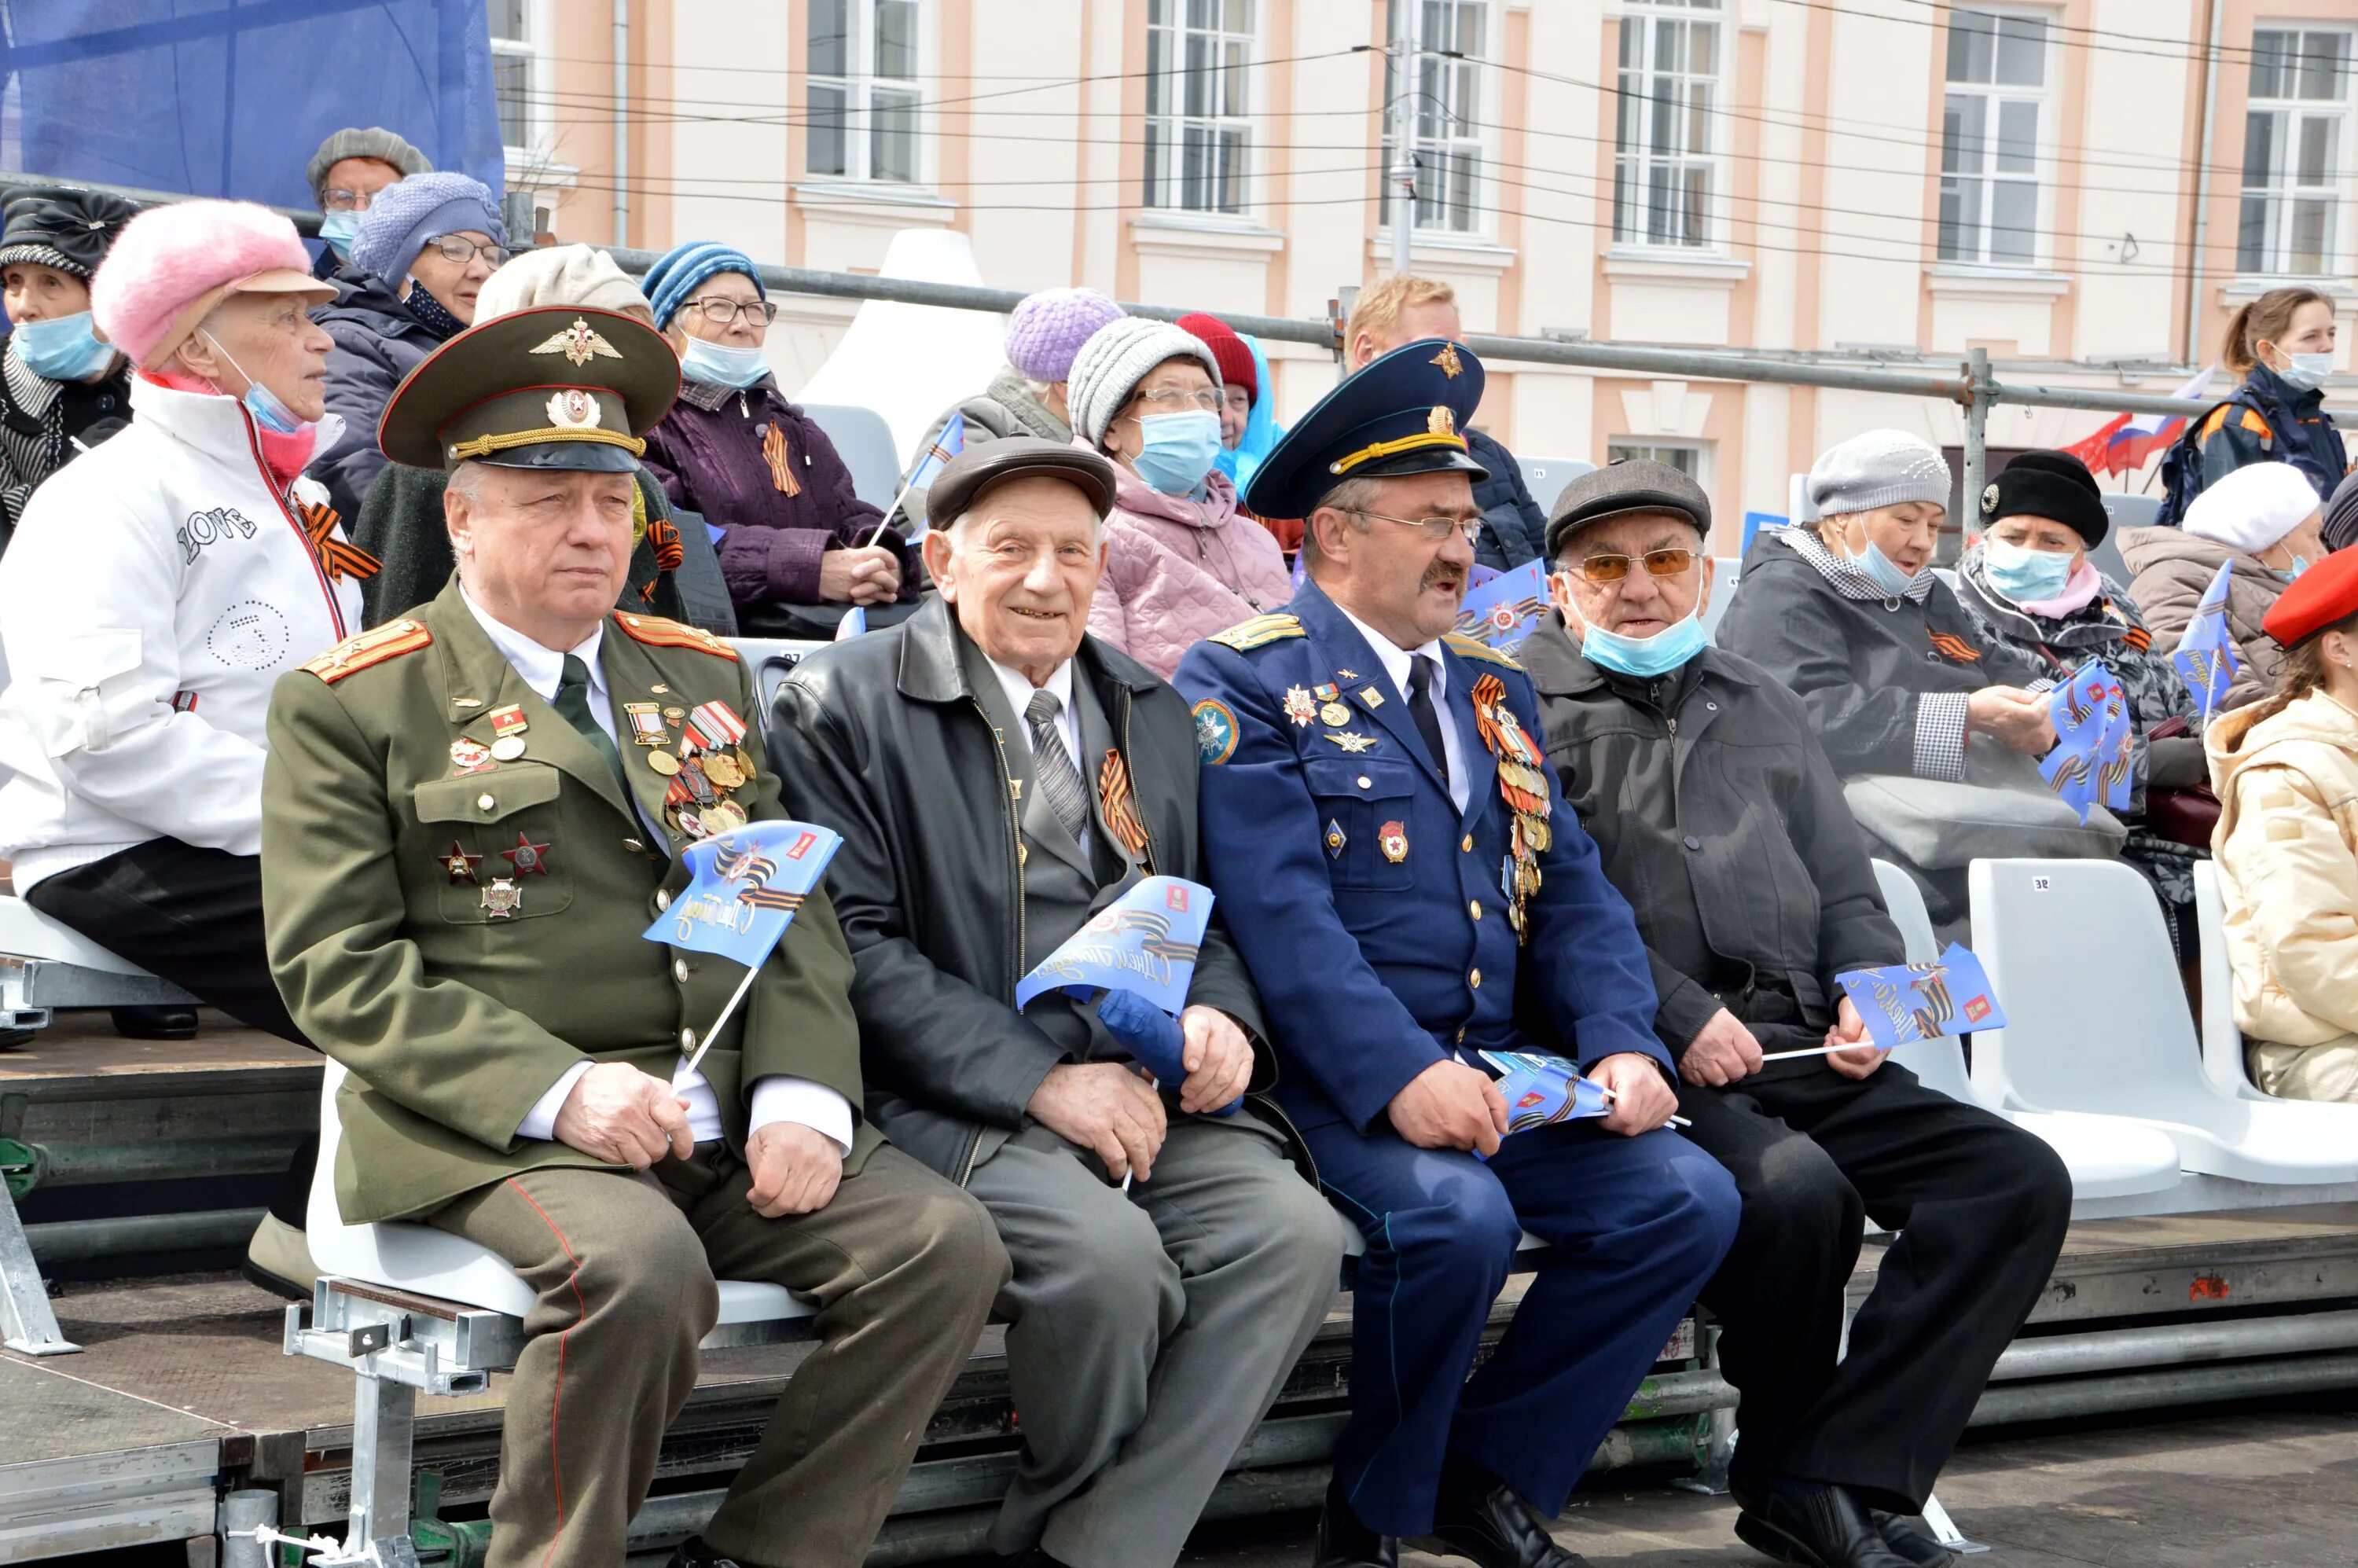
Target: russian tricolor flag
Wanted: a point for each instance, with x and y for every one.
(2129, 442)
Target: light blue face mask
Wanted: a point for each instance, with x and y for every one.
(2299, 564)
(720, 365)
(2024, 574)
(340, 229)
(1179, 449)
(1883, 570)
(2304, 372)
(62, 348)
(1645, 657)
(269, 410)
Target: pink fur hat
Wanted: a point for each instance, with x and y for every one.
(174, 263)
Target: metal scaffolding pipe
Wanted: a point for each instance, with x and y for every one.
(2072, 1355)
(2154, 1391)
(80, 1241)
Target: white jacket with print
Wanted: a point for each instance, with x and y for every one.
(155, 590)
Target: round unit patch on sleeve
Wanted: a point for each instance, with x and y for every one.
(1215, 730)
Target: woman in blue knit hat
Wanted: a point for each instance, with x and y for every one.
(795, 544)
(425, 246)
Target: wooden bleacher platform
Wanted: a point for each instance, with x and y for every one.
(181, 1393)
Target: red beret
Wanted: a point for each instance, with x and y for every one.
(2324, 594)
(1229, 350)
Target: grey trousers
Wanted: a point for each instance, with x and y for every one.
(1149, 1331)
(903, 1266)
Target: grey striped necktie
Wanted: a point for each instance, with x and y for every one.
(1052, 766)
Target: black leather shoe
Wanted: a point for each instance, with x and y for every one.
(1919, 1546)
(1824, 1530)
(155, 1023)
(1345, 1543)
(1484, 1521)
(693, 1553)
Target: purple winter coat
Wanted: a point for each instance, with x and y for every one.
(710, 452)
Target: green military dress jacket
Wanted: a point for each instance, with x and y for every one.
(457, 1005)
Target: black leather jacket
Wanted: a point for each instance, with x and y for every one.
(882, 738)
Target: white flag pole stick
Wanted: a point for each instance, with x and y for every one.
(1675, 1121)
(1819, 1051)
(886, 522)
(714, 1033)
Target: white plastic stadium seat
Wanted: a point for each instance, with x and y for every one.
(2108, 1156)
(1726, 570)
(2223, 1042)
(430, 1262)
(2125, 512)
(2097, 1021)
(864, 441)
(59, 966)
(1546, 477)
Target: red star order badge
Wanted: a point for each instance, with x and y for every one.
(460, 864)
(528, 857)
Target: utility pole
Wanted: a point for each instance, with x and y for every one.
(1402, 109)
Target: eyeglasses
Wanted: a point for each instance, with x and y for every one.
(721, 312)
(339, 199)
(1434, 528)
(1659, 563)
(459, 250)
(1170, 399)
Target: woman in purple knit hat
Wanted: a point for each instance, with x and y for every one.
(795, 540)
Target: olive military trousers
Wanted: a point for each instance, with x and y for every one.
(903, 1266)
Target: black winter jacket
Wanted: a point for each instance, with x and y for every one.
(2266, 420)
(1863, 668)
(883, 739)
(1721, 820)
(1514, 529)
(378, 341)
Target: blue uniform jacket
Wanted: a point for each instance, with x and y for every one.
(1371, 912)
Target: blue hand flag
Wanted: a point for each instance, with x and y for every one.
(2115, 753)
(2073, 768)
(1477, 574)
(2206, 659)
(1301, 573)
(854, 621)
(1145, 941)
(1541, 1090)
(746, 886)
(1500, 611)
(1918, 1001)
(947, 445)
(1152, 1036)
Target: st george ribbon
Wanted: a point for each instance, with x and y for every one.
(2206, 658)
(1137, 957)
(1499, 610)
(746, 886)
(1541, 1090)
(2093, 755)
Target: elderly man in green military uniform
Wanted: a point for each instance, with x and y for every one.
(470, 815)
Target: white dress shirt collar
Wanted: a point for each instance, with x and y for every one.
(541, 666)
(1396, 662)
(1018, 687)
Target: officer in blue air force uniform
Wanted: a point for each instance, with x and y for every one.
(1409, 888)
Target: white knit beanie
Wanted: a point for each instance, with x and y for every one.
(1877, 469)
(2253, 508)
(1117, 357)
(559, 275)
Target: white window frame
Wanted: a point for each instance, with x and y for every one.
(1203, 109)
(2280, 196)
(1454, 196)
(859, 86)
(536, 48)
(1996, 98)
(1701, 148)
(1653, 447)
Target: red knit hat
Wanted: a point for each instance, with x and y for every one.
(2321, 595)
(1236, 361)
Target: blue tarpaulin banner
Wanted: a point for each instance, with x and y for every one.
(232, 97)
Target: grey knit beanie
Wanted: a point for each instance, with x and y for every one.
(1877, 469)
(375, 142)
(1120, 356)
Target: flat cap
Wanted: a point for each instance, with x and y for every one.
(553, 388)
(2320, 599)
(1632, 484)
(1403, 412)
(979, 469)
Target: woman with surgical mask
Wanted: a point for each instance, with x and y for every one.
(2282, 345)
(2265, 519)
(62, 391)
(2030, 586)
(1181, 560)
(799, 547)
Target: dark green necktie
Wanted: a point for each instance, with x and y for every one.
(573, 702)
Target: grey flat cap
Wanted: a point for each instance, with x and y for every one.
(374, 142)
(984, 467)
(1632, 484)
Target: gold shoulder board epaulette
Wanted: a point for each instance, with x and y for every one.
(657, 632)
(361, 649)
(1473, 648)
(1245, 637)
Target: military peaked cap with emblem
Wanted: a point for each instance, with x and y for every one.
(1406, 413)
(558, 388)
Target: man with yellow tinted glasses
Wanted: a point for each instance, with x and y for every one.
(1717, 812)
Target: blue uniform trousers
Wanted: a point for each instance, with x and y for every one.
(1635, 1226)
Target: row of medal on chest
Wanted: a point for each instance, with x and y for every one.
(702, 768)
